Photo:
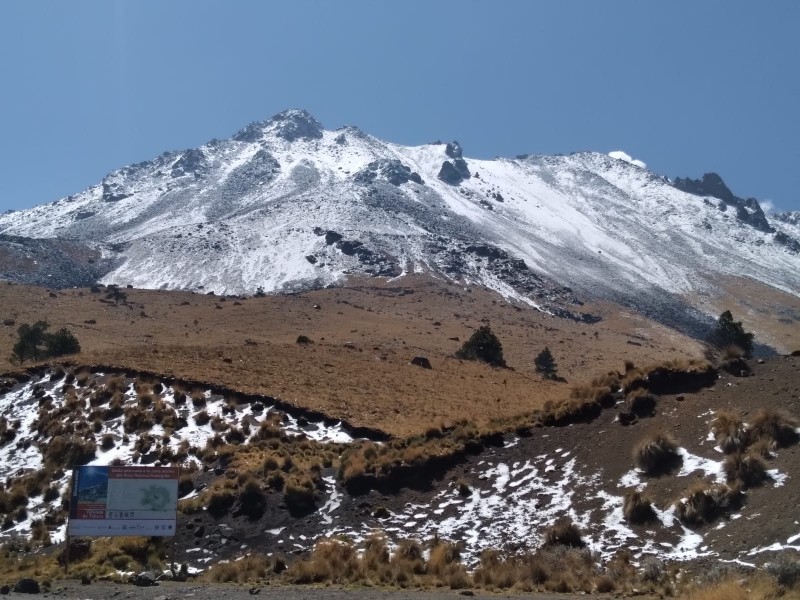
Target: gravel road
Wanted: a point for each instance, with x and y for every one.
(193, 591)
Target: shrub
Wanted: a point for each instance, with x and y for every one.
(137, 420)
(785, 569)
(330, 560)
(34, 342)
(731, 333)
(637, 508)
(251, 568)
(220, 501)
(30, 341)
(252, 499)
(729, 431)
(304, 339)
(642, 403)
(776, 426)
(62, 342)
(703, 505)
(483, 345)
(745, 469)
(69, 451)
(299, 494)
(202, 418)
(564, 533)
(656, 454)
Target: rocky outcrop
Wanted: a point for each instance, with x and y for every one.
(392, 171)
(50, 262)
(747, 211)
(454, 171)
(292, 125)
(192, 162)
(453, 150)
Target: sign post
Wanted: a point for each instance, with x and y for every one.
(114, 501)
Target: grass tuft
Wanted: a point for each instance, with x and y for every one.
(657, 454)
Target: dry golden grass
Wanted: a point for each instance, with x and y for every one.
(761, 308)
(757, 587)
(730, 431)
(656, 453)
(252, 346)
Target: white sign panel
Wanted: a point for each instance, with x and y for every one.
(109, 501)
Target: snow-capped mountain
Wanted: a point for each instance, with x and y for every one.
(285, 205)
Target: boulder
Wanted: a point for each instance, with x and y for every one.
(27, 586)
(453, 150)
(421, 361)
(454, 172)
(145, 579)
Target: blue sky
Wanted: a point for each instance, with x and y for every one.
(686, 86)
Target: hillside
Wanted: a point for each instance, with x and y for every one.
(286, 205)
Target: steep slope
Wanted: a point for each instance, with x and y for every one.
(287, 205)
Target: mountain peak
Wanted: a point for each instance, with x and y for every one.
(290, 125)
(294, 125)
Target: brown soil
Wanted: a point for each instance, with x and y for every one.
(774, 314)
(358, 367)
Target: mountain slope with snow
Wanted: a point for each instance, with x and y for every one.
(285, 205)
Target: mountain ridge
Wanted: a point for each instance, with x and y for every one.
(286, 205)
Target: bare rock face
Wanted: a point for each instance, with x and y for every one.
(392, 171)
(454, 171)
(454, 150)
(294, 125)
(748, 211)
(193, 162)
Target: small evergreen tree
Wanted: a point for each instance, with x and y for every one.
(61, 342)
(33, 342)
(30, 339)
(483, 346)
(546, 364)
(260, 293)
(731, 333)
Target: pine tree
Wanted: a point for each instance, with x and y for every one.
(546, 364)
(484, 346)
(61, 342)
(30, 339)
(731, 333)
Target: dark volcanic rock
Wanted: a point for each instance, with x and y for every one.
(55, 263)
(421, 361)
(294, 125)
(747, 211)
(377, 264)
(331, 237)
(251, 133)
(114, 192)
(454, 171)
(144, 579)
(453, 150)
(393, 171)
(792, 244)
(192, 162)
(710, 184)
(27, 586)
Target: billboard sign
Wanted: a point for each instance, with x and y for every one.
(109, 501)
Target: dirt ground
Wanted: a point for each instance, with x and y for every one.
(173, 591)
(358, 367)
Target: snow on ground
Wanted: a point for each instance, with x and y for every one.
(23, 454)
(505, 504)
